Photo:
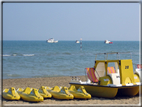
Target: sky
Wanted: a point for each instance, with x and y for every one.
(71, 21)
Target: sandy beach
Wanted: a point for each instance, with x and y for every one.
(63, 81)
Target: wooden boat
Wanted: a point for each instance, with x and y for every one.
(80, 93)
(30, 94)
(120, 80)
(10, 94)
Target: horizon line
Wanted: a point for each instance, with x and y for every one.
(70, 40)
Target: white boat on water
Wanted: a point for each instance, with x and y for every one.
(51, 40)
(77, 41)
(108, 42)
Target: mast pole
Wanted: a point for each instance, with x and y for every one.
(80, 43)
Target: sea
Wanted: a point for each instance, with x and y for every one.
(35, 59)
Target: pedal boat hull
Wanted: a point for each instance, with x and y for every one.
(109, 91)
(98, 91)
(128, 90)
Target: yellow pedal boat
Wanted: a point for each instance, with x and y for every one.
(43, 92)
(10, 94)
(63, 93)
(80, 93)
(48, 88)
(55, 88)
(109, 78)
(29, 94)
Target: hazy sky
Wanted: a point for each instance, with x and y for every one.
(71, 21)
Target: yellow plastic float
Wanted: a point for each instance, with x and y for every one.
(63, 93)
(44, 93)
(80, 93)
(30, 94)
(55, 88)
(48, 88)
(10, 94)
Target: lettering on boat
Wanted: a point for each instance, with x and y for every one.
(126, 67)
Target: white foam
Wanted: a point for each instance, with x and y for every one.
(9, 74)
(6, 55)
(14, 54)
(28, 54)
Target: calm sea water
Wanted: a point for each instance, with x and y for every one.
(30, 59)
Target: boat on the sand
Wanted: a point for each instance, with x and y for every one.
(44, 93)
(62, 93)
(105, 80)
(10, 94)
(30, 94)
(79, 93)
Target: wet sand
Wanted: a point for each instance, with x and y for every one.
(63, 81)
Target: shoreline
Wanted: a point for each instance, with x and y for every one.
(62, 81)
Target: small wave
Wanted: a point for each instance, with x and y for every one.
(53, 53)
(136, 53)
(67, 53)
(6, 55)
(13, 75)
(14, 54)
(47, 76)
(28, 54)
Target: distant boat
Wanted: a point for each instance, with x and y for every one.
(51, 40)
(77, 41)
(108, 42)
